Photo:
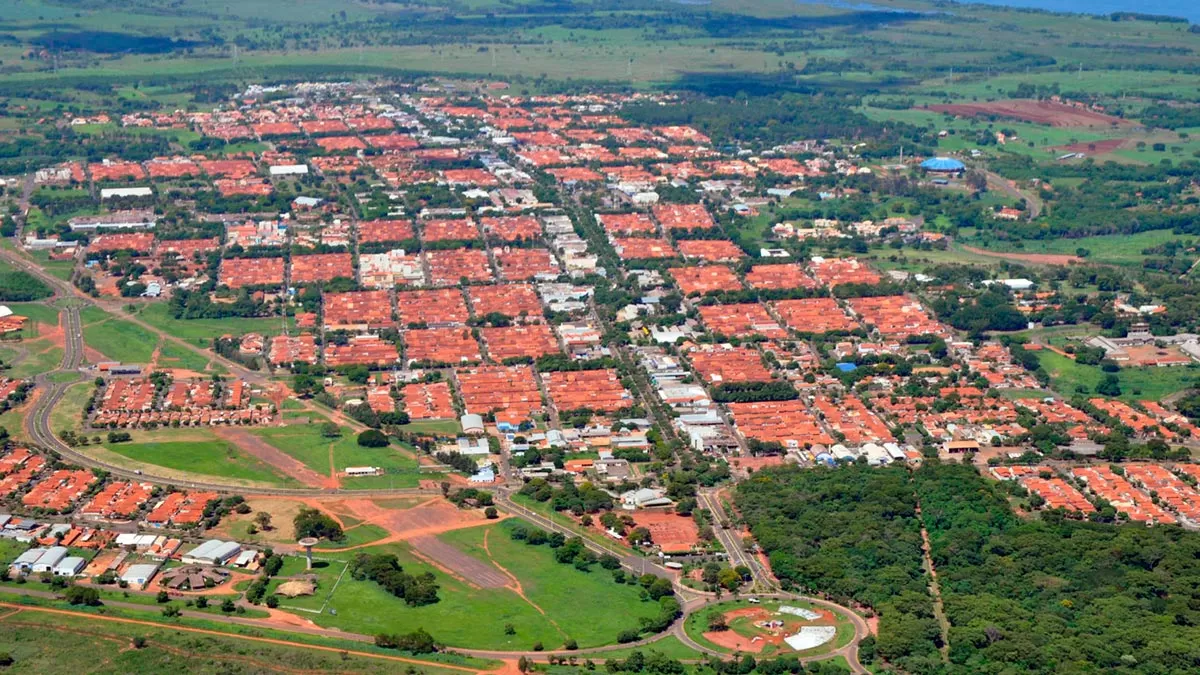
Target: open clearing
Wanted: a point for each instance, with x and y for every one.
(545, 601)
(1070, 378)
(1033, 258)
(273, 457)
(193, 460)
(471, 569)
(1038, 112)
(329, 457)
(672, 532)
(35, 637)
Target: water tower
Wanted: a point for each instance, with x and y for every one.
(308, 543)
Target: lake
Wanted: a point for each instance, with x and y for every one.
(1188, 9)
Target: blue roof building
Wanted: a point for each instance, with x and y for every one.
(943, 165)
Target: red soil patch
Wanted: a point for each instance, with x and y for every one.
(728, 639)
(260, 449)
(673, 533)
(425, 520)
(1093, 147)
(1038, 112)
(757, 463)
(1034, 258)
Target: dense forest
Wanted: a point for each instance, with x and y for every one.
(18, 286)
(1045, 595)
(852, 534)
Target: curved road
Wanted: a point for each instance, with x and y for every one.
(37, 424)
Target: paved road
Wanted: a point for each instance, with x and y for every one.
(1008, 187)
(732, 542)
(37, 424)
(37, 421)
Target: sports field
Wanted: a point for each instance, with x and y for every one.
(760, 628)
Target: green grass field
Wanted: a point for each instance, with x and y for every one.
(44, 315)
(68, 414)
(173, 355)
(201, 332)
(327, 572)
(356, 535)
(120, 340)
(669, 646)
(305, 443)
(1069, 378)
(442, 427)
(35, 639)
(560, 589)
(1115, 249)
(213, 458)
(587, 606)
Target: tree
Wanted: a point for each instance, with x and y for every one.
(162, 597)
(491, 513)
(228, 605)
(263, 520)
(201, 602)
(716, 623)
(330, 430)
(509, 629)
(1110, 386)
(82, 595)
(373, 438)
(272, 601)
(729, 579)
(139, 642)
(314, 523)
(640, 535)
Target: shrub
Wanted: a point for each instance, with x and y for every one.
(373, 438)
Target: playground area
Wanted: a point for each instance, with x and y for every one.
(770, 628)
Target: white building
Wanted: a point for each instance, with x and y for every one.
(212, 552)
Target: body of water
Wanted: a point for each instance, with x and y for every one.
(1188, 9)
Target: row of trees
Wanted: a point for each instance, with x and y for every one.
(384, 569)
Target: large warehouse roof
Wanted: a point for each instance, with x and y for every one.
(942, 164)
